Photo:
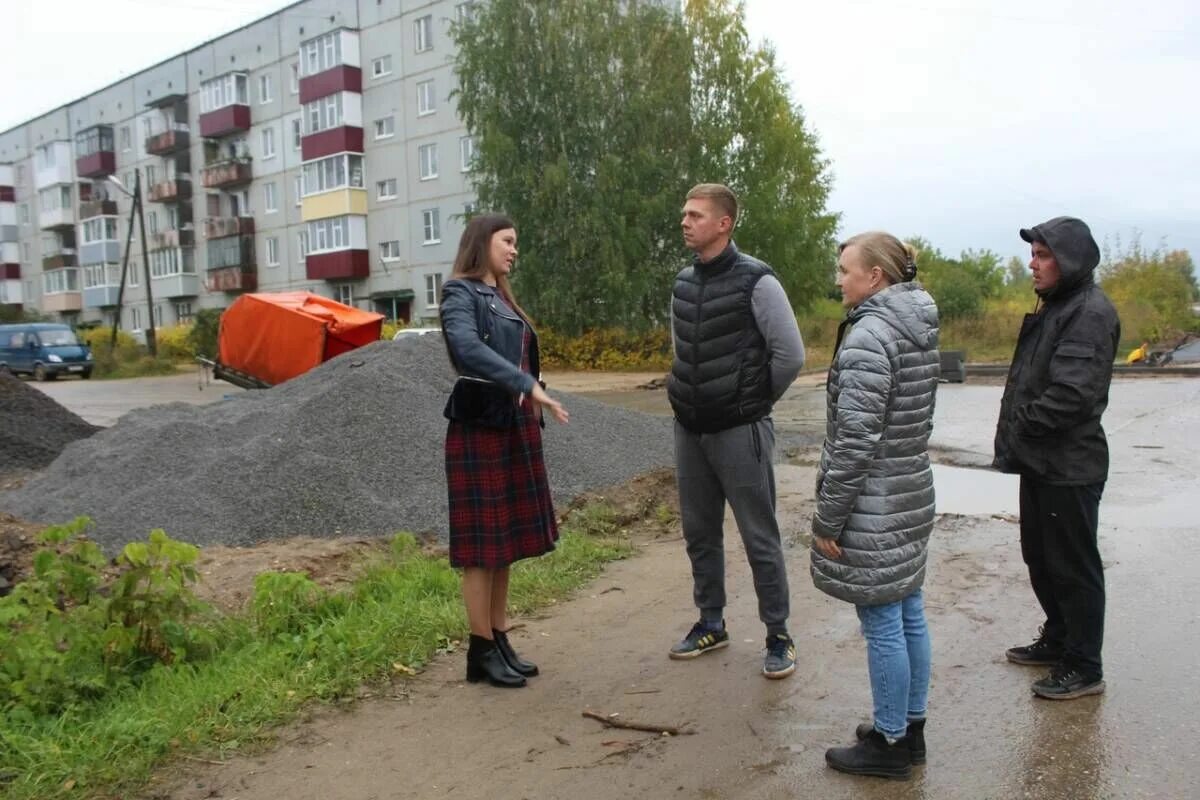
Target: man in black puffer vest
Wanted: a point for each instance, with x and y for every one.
(737, 350)
(1050, 434)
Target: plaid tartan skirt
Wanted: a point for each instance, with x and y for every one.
(500, 508)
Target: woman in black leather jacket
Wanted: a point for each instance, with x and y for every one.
(499, 496)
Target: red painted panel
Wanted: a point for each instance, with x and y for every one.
(331, 142)
(96, 165)
(331, 81)
(338, 265)
(224, 121)
(8, 194)
(10, 272)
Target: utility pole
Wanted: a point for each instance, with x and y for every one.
(135, 212)
(151, 339)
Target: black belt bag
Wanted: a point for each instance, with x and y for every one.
(474, 401)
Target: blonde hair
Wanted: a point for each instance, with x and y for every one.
(897, 259)
(721, 195)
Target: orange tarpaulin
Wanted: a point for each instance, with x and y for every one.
(275, 336)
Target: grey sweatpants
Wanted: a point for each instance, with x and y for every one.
(734, 465)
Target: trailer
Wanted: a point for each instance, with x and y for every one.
(267, 338)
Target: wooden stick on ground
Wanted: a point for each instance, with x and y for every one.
(613, 722)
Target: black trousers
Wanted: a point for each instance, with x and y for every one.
(1058, 543)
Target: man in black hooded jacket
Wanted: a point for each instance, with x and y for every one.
(1050, 434)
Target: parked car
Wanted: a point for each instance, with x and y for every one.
(404, 333)
(44, 350)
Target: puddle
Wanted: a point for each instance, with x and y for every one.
(975, 491)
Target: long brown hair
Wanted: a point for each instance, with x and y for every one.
(474, 250)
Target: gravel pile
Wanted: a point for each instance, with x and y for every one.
(353, 447)
(34, 429)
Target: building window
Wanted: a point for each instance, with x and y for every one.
(385, 128)
(132, 276)
(427, 158)
(151, 175)
(98, 275)
(470, 207)
(268, 143)
(296, 134)
(464, 13)
(323, 114)
(431, 226)
(264, 89)
(328, 234)
(272, 251)
(381, 66)
(385, 190)
(21, 167)
(172, 261)
(147, 128)
(183, 313)
(100, 229)
(25, 256)
(321, 53)
(135, 318)
(336, 172)
(295, 78)
(23, 213)
(467, 152)
(227, 90)
(423, 32)
(344, 293)
(433, 289)
(426, 103)
(390, 251)
(98, 139)
(153, 220)
(57, 281)
(302, 244)
(270, 200)
(126, 139)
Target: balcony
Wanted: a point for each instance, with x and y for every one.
(222, 174)
(96, 165)
(220, 227)
(337, 265)
(97, 208)
(231, 266)
(56, 218)
(173, 237)
(182, 284)
(174, 191)
(60, 259)
(224, 121)
(10, 272)
(100, 296)
(10, 292)
(169, 142)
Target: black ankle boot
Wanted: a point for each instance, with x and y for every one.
(514, 661)
(872, 756)
(484, 662)
(914, 738)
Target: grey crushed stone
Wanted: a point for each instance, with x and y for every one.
(353, 447)
(34, 428)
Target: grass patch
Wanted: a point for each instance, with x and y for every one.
(138, 366)
(298, 645)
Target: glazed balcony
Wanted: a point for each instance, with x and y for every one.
(60, 259)
(173, 237)
(95, 155)
(225, 121)
(223, 174)
(231, 266)
(231, 279)
(97, 208)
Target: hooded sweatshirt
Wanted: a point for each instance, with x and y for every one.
(874, 483)
(1049, 428)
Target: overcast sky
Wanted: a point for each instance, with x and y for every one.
(957, 120)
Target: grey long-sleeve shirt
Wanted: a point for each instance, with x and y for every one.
(777, 323)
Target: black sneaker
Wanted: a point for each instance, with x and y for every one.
(1067, 684)
(914, 737)
(1042, 653)
(872, 756)
(700, 640)
(780, 660)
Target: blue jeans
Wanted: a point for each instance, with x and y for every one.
(898, 656)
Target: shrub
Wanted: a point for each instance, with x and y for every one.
(607, 349)
(203, 336)
(175, 342)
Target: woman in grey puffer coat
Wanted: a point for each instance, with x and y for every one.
(875, 503)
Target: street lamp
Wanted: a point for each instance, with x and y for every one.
(136, 194)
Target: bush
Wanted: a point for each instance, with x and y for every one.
(203, 336)
(175, 342)
(607, 349)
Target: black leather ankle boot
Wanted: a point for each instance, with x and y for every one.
(514, 661)
(484, 662)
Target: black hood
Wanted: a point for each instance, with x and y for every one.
(1071, 242)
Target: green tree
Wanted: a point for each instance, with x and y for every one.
(593, 119)
(1016, 273)
(750, 136)
(960, 286)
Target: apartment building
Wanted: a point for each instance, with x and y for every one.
(314, 149)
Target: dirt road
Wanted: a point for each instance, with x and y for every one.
(752, 738)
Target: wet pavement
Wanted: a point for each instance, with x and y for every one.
(102, 402)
